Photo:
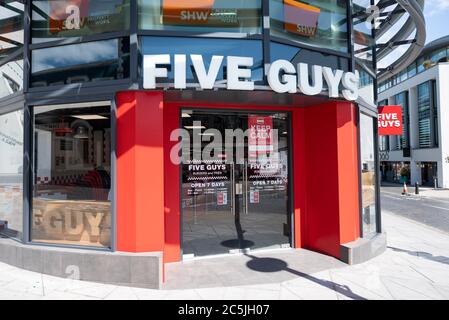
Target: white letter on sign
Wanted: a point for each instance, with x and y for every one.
(287, 83)
(235, 73)
(151, 71)
(351, 83)
(333, 80)
(180, 71)
(303, 79)
(206, 79)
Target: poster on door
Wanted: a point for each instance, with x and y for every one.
(254, 197)
(260, 136)
(205, 177)
(222, 198)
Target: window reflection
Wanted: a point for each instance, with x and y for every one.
(72, 167)
(369, 175)
(205, 15)
(11, 174)
(207, 48)
(11, 77)
(296, 55)
(320, 23)
(366, 85)
(101, 60)
(11, 27)
(55, 19)
(11, 44)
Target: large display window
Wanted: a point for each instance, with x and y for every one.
(368, 176)
(201, 15)
(72, 175)
(11, 174)
(319, 23)
(57, 19)
(99, 61)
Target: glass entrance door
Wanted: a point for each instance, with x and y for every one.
(234, 181)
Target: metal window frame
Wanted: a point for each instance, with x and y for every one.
(372, 114)
(29, 171)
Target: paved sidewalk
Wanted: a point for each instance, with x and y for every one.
(424, 192)
(439, 194)
(415, 266)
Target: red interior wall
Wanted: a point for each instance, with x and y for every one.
(172, 249)
(321, 231)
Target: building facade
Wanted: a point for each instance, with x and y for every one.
(421, 154)
(139, 133)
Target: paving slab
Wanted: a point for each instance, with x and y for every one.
(415, 266)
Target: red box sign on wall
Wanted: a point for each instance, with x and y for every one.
(390, 120)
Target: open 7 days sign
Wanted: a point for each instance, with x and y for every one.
(282, 75)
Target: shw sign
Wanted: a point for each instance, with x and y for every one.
(390, 120)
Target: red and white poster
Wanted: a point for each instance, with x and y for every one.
(260, 135)
(222, 198)
(254, 197)
(390, 120)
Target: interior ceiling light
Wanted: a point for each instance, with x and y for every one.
(194, 127)
(89, 117)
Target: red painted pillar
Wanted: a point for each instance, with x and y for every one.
(172, 249)
(140, 172)
(331, 159)
(348, 172)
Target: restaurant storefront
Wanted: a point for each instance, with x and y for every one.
(154, 130)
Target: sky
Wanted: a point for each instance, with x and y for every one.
(436, 13)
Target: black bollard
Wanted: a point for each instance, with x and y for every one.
(416, 188)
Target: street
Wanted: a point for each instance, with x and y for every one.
(430, 207)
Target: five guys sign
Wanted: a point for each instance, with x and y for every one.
(390, 120)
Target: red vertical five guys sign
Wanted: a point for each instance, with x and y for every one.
(390, 120)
